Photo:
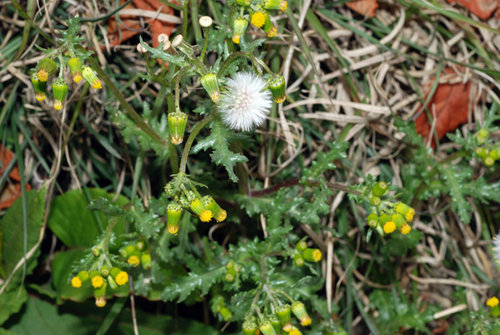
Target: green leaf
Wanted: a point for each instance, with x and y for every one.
(41, 318)
(131, 132)
(76, 225)
(201, 281)
(218, 140)
(11, 302)
(62, 269)
(13, 231)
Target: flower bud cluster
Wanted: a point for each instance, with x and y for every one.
(386, 217)
(204, 207)
(219, 307)
(280, 320)
(136, 254)
(232, 271)
(47, 67)
(100, 278)
(488, 152)
(302, 253)
(259, 16)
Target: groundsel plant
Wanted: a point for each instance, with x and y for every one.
(265, 283)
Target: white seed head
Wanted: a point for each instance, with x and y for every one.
(496, 247)
(141, 49)
(205, 21)
(162, 38)
(245, 104)
(177, 40)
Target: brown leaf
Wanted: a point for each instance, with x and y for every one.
(481, 8)
(131, 25)
(363, 7)
(450, 103)
(12, 190)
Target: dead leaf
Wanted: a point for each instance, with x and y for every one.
(12, 190)
(131, 25)
(363, 7)
(481, 8)
(450, 103)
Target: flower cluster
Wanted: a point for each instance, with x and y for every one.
(281, 319)
(218, 306)
(136, 254)
(184, 195)
(47, 67)
(259, 15)
(302, 253)
(488, 152)
(100, 279)
(232, 270)
(387, 216)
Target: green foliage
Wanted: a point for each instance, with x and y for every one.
(396, 311)
(75, 224)
(132, 133)
(218, 140)
(18, 239)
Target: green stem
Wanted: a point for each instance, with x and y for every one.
(124, 103)
(194, 20)
(229, 60)
(199, 126)
(205, 44)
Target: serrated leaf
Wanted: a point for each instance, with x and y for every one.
(105, 206)
(218, 140)
(202, 281)
(131, 132)
(455, 180)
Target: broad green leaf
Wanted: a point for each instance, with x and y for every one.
(13, 231)
(11, 302)
(62, 270)
(43, 318)
(218, 140)
(76, 225)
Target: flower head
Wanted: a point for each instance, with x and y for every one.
(245, 103)
(76, 282)
(496, 247)
(492, 302)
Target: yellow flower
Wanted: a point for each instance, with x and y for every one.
(405, 229)
(100, 301)
(97, 281)
(258, 19)
(294, 331)
(121, 278)
(42, 75)
(134, 261)
(306, 321)
(206, 215)
(492, 302)
(409, 215)
(76, 282)
(389, 227)
(222, 216)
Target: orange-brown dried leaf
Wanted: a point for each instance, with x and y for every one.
(363, 7)
(450, 103)
(481, 8)
(12, 189)
(131, 25)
